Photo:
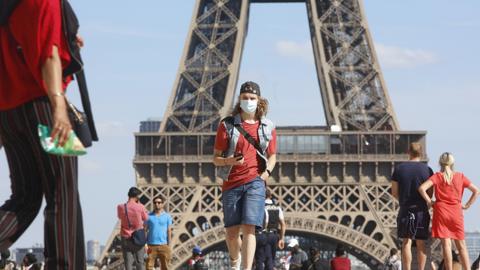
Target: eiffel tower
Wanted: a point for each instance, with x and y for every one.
(332, 182)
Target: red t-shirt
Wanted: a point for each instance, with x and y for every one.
(242, 174)
(137, 214)
(26, 42)
(340, 263)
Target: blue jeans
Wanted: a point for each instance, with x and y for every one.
(245, 204)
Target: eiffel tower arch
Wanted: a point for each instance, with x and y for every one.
(332, 182)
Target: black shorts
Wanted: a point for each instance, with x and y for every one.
(413, 222)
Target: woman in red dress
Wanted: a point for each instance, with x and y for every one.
(447, 222)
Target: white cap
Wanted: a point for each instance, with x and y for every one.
(292, 242)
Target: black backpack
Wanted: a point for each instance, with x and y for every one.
(273, 216)
(70, 28)
(6, 9)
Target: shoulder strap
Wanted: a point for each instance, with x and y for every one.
(6, 9)
(82, 86)
(249, 138)
(128, 220)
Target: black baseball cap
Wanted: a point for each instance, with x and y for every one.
(250, 87)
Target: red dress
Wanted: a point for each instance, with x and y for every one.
(447, 219)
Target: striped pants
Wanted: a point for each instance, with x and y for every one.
(35, 174)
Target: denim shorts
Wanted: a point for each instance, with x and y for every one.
(245, 204)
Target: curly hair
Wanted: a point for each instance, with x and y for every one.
(262, 108)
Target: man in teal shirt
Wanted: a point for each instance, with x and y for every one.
(159, 235)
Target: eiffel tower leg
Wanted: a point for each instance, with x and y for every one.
(204, 89)
(351, 83)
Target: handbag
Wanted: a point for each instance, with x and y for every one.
(80, 124)
(138, 237)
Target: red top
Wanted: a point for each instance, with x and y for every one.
(26, 42)
(137, 214)
(447, 221)
(449, 194)
(340, 263)
(242, 174)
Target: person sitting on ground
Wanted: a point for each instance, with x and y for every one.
(341, 261)
(315, 262)
(299, 257)
(393, 261)
(196, 262)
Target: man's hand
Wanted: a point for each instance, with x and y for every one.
(233, 161)
(264, 176)
(281, 243)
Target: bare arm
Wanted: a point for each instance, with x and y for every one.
(169, 235)
(272, 160)
(283, 228)
(52, 76)
(473, 197)
(423, 192)
(395, 189)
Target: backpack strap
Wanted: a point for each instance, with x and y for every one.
(6, 9)
(249, 138)
(126, 214)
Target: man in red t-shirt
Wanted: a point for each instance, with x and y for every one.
(33, 54)
(245, 148)
(132, 217)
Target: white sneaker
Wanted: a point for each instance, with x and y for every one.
(235, 265)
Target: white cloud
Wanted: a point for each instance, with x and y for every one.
(302, 50)
(397, 57)
(391, 57)
(113, 128)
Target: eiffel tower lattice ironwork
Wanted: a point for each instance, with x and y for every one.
(331, 184)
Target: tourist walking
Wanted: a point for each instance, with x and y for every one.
(245, 147)
(159, 235)
(34, 57)
(132, 215)
(340, 261)
(448, 210)
(271, 236)
(413, 219)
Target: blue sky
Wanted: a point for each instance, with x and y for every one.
(427, 50)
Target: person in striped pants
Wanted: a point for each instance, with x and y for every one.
(33, 53)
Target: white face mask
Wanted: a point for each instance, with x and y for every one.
(248, 106)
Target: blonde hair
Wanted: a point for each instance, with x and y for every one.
(446, 162)
(262, 108)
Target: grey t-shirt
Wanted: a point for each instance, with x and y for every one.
(298, 258)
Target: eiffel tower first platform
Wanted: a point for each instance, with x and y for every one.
(332, 182)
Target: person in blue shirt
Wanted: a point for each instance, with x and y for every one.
(159, 235)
